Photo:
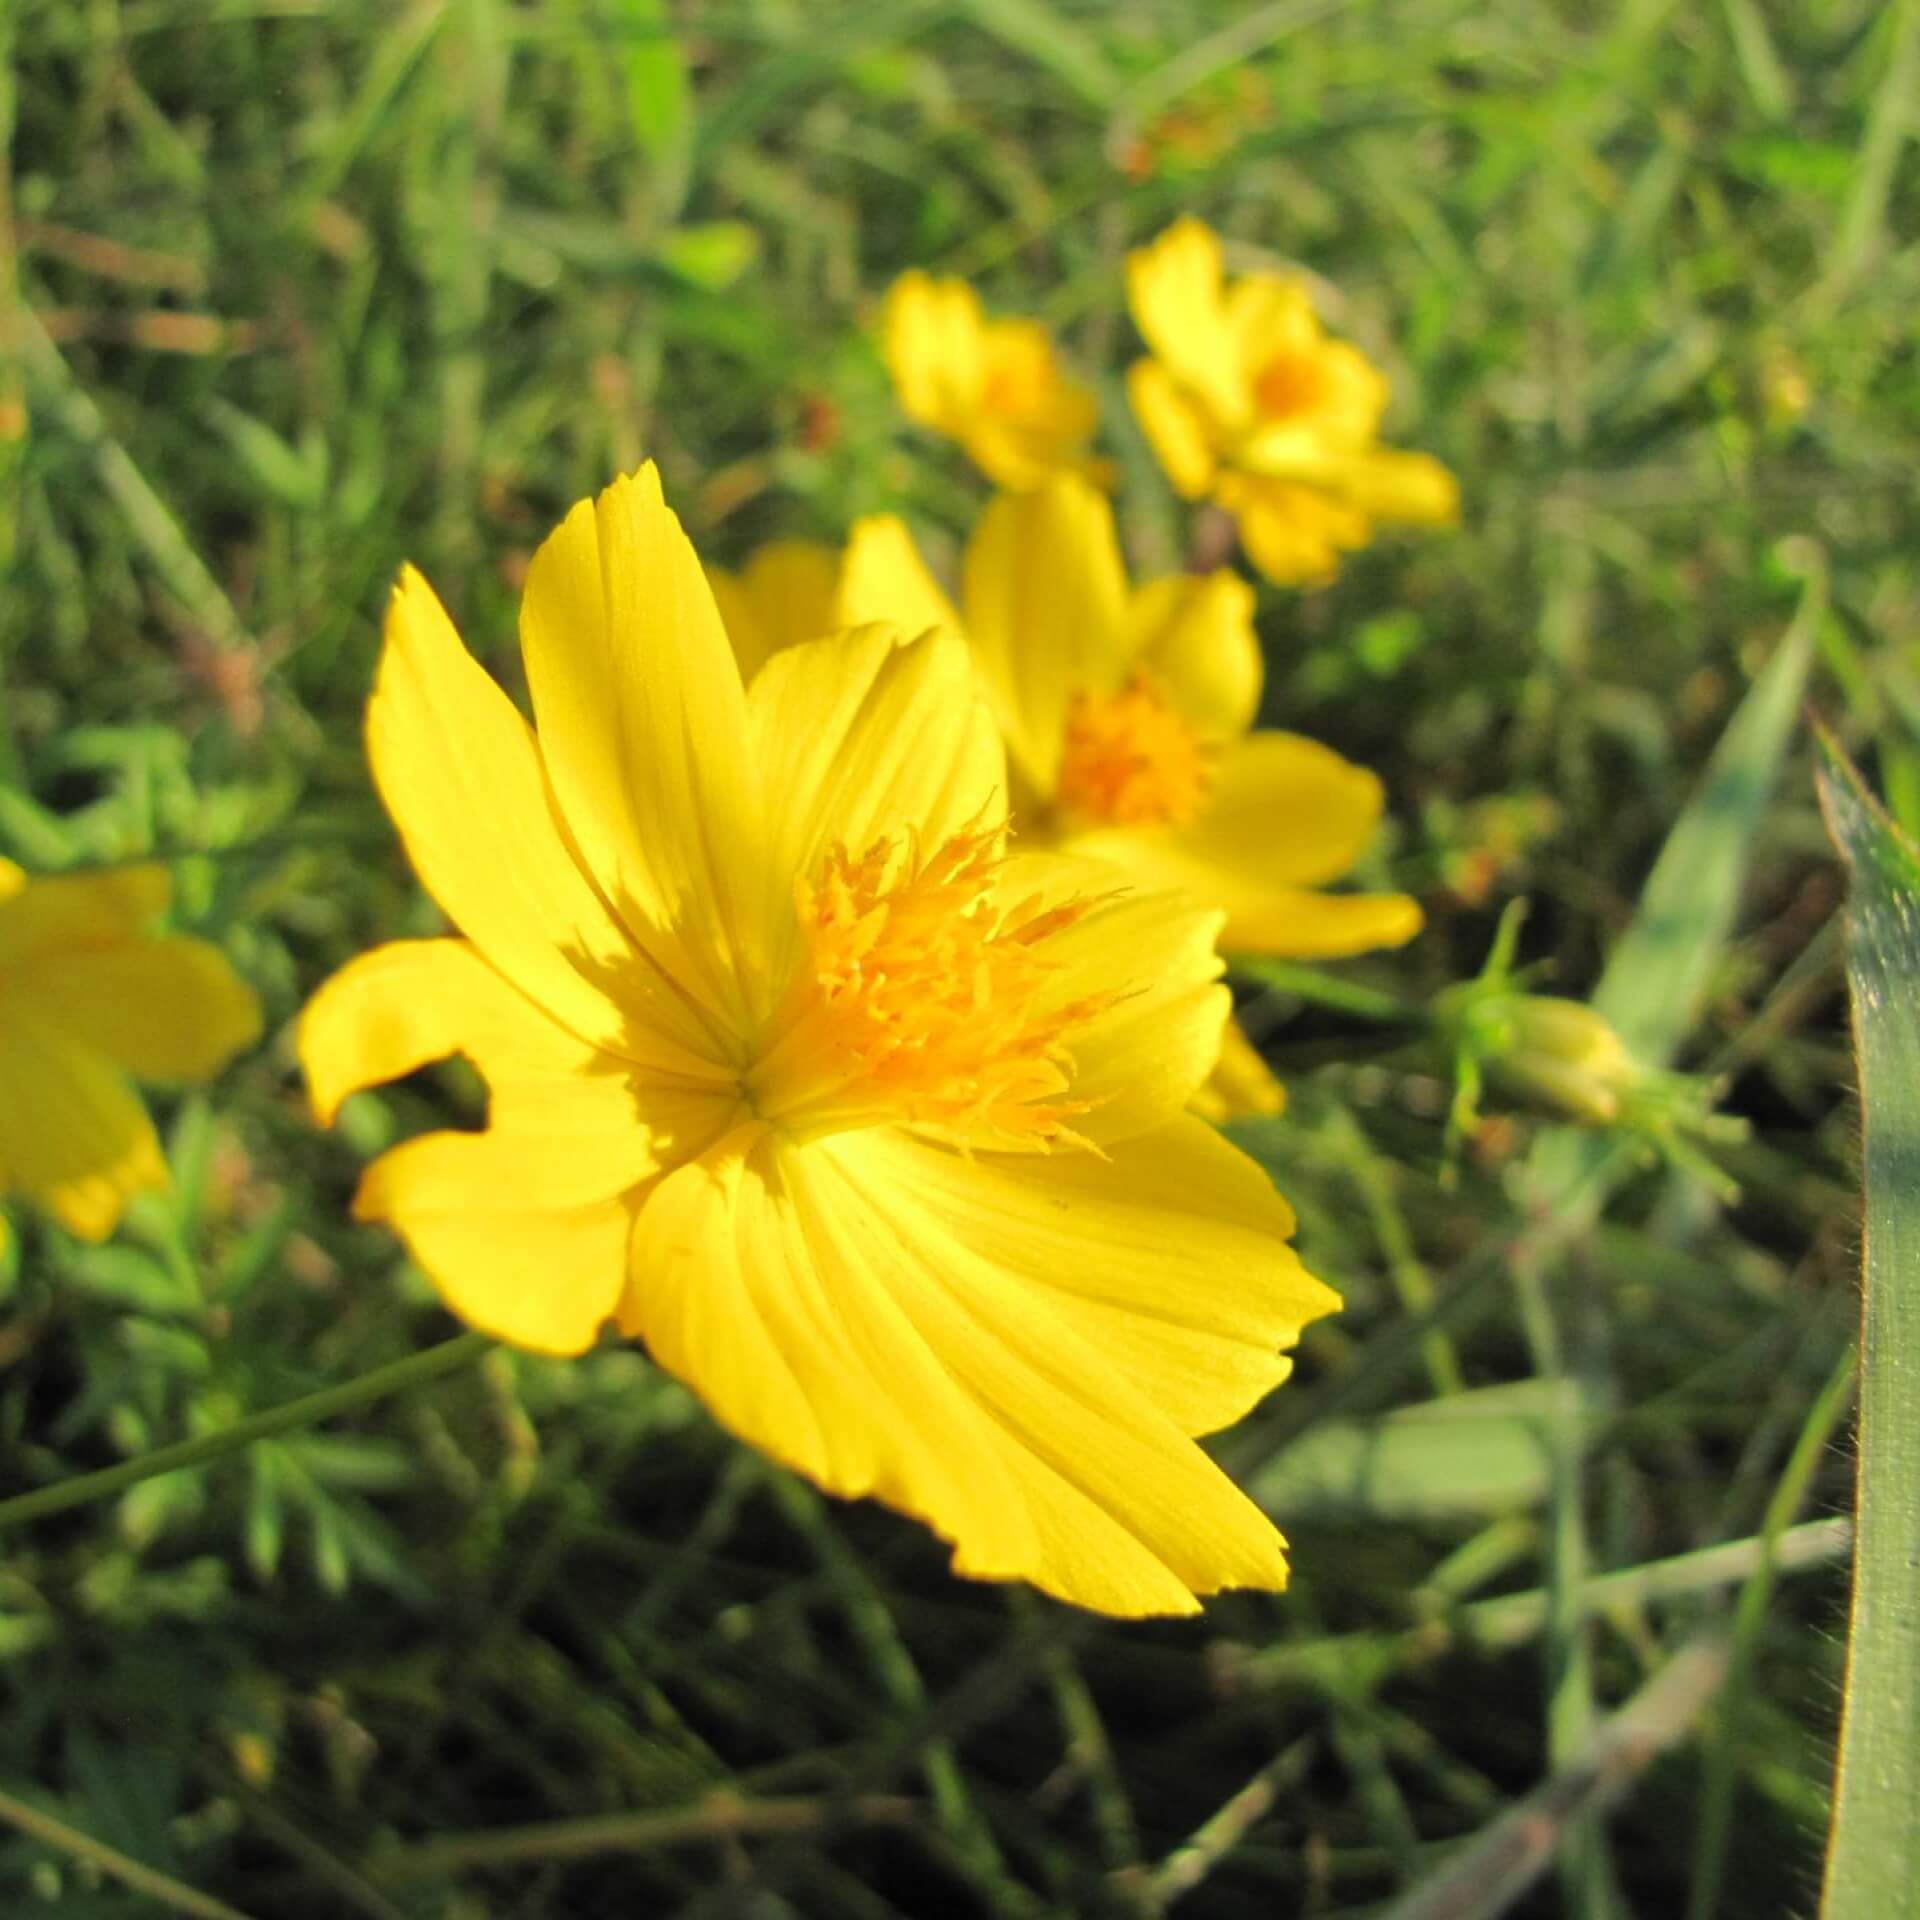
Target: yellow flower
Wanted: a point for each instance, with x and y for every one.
(88, 997)
(1247, 401)
(1127, 714)
(874, 1132)
(993, 385)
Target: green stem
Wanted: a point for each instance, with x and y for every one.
(1329, 990)
(448, 1357)
(719, 1816)
(56, 1833)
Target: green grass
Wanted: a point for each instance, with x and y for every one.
(301, 292)
(1873, 1857)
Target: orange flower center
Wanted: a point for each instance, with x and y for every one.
(1008, 392)
(928, 997)
(1129, 760)
(1289, 384)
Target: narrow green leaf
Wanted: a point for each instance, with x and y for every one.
(1761, 67)
(1890, 124)
(1029, 27)
(1659, 971)
(1873, 1854)
(659, 100)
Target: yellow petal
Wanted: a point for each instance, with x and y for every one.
(586, 1122)
(861, 737)
(1194, 634)
(1303, 811)
(1175, 426)
(65, 910)
(1138, 1062)
(830, 1304)
(412, 1002)
(933, 340)
(1412, 489)
(885, 581)
(1031, 419)
(1167, 1256)
(1321, 926)
(1046, 613)
(171, 1009)
(523, 1226)
(73, 1134)
(550, 1145)
(1241, 1086)
(1174, 287)
(643, 729)
(785, 594)
(462, 778)
(1284, 814)
(1294, 534)
(546, 1280)
(1268, 316)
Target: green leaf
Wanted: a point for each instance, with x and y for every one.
(711, 255)
(659, 100)
(1049, 41)
(1659, 971)
(1873, 1855)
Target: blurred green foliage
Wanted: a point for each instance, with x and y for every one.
(297, 291)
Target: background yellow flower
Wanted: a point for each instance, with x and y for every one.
(1247, 401)
(996, 386)
(90, 997)
(1128, 714)
(873, 1132)
(784, 593)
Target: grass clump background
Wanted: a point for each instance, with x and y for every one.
(296, 292)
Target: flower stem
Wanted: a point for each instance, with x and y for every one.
(310, 1408)
(56, 1833)
(1329, 990)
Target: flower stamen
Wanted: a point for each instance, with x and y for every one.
(1130, 760)
(928, 997)
(1290, 384)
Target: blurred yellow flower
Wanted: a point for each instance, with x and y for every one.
(993, 385)
(1245, 400)
(873, 1131)
(1128, 717)
(90, 997)
(1128, 714)
(784, 593)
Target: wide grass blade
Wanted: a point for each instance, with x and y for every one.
(1873, 1852)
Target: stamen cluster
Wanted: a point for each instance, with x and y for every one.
(929, 999)
(1130, 760)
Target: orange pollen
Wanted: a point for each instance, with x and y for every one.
(929, 997)
(1129, 760)
(1288, 384)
